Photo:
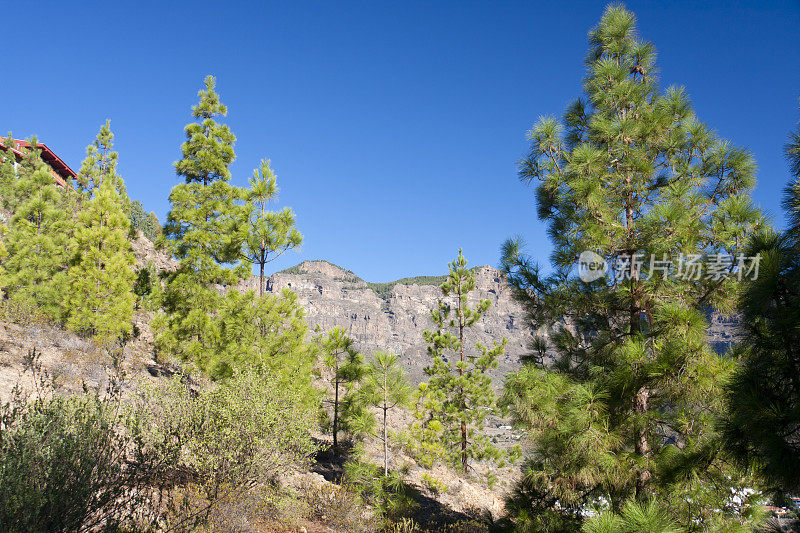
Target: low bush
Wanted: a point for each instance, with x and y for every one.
(172, 457)
(433, 485)
(388, 495)
(236, 434)
(22, 311)
(76, 463)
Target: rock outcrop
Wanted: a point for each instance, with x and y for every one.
(146, 252)
(395, 318)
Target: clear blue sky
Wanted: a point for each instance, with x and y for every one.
(394, 127)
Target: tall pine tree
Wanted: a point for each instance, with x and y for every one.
(101, 298)
(205, 230)
(627, 409)
(385, 387)
(100, 165)
(763, 412)
(271, 233)
(454, 402)
(35, 268)
(343, 369)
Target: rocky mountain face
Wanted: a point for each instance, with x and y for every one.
(146, 252)
(394, 318)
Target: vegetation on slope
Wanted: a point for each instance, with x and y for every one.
(383, 289)
(298, 269)
(623, 430)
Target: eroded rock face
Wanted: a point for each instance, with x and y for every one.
(146, 252)
(334, 297)
(395, 320)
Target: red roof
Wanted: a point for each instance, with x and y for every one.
(48, 156)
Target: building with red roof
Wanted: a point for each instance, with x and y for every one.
(62, 173)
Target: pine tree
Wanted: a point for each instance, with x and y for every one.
(99, 165)
(8, 173)
(35, 274)
(634, 518)
(101, 295)
(145, 222)
(629, 175)
(385, 387)
(271, 233)
(792, 197)
(763, 411)
(266, 334)
(101, 298)
(344, 368)
(456, 398)
(205, 231)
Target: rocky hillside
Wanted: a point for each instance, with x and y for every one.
(393, 316)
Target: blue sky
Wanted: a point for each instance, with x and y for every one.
(394, 127)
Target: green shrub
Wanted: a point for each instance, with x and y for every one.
(22, 311)
(74, 464)
(464, 526)
(403, 525)
(240, 432)
(178, 458)
(147, 223)
(388, 495)
(433, 485)
(337, 507)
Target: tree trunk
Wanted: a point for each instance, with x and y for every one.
(464, 445)
(336, 414)
(642, 445)
(640, 401)
(461, 373)
(385, 445)
(261, 280)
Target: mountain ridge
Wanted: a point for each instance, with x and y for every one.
(392, 316)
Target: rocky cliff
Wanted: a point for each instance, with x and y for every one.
(393, 316)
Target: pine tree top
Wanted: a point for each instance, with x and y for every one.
(208, 150)
(210, 104)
